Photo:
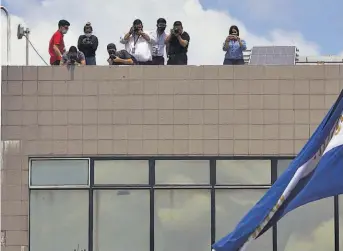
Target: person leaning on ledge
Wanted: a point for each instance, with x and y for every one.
(73, 57)
(121, 57)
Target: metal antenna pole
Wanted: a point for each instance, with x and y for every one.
(21, 32)
(27, 35)
(8, 33)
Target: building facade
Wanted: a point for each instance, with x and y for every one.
(157, 158)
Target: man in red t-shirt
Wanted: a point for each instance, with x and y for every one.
(56, 44)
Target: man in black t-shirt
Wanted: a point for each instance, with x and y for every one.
(177, 43)
(121, 57)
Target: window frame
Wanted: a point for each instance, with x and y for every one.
(152, 187)
(52, 189)
(257, 185)
(104, 185)
(59, 186)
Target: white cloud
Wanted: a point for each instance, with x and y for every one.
(207, 28)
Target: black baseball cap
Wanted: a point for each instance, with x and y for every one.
(111, 46)
(177, 23)
(63, 23)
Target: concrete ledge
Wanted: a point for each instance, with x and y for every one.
(311, 72)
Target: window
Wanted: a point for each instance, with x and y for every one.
(282, 165)
(121, 220)
(58, 220)
(107, 204)
(308, 228)
(121, 172)
(182, 172)
(182, 220)
(231, 206)
(59, 172)
(243, 172)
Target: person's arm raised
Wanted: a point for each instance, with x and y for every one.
(126, 37)
(183, 42)
(167, 40)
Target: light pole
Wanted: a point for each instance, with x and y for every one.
(8, 33)
(21, 32)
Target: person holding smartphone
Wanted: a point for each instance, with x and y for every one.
(234, 47)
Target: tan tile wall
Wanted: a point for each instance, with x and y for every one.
(194, 110)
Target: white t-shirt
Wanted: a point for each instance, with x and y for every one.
(157, 42)
(138, 47)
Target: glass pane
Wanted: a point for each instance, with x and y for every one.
(282, 165)
(308, 228)
(182, 220)
(121, 172)
(59, 172)
(121, 220)
(231, 207)
(243, 172)
(182, 171)
(58, 220)
(341, 222)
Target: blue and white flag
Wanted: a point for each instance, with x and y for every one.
(316, 173)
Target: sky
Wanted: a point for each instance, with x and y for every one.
(314, 28)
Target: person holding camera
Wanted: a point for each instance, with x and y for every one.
(234, 47)
(177, 42)
(137, 43)
(56, 44)
(73, 57)
(158, 37)
(121, 57)
(88, 44)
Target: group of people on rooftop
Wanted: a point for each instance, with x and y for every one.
(141, 47)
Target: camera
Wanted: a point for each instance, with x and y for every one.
(135, 28)
(86, 41)
(176, 30)
(112, 54)
(72, 58)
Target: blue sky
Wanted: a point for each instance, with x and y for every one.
(313, 27)
(318, 20)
